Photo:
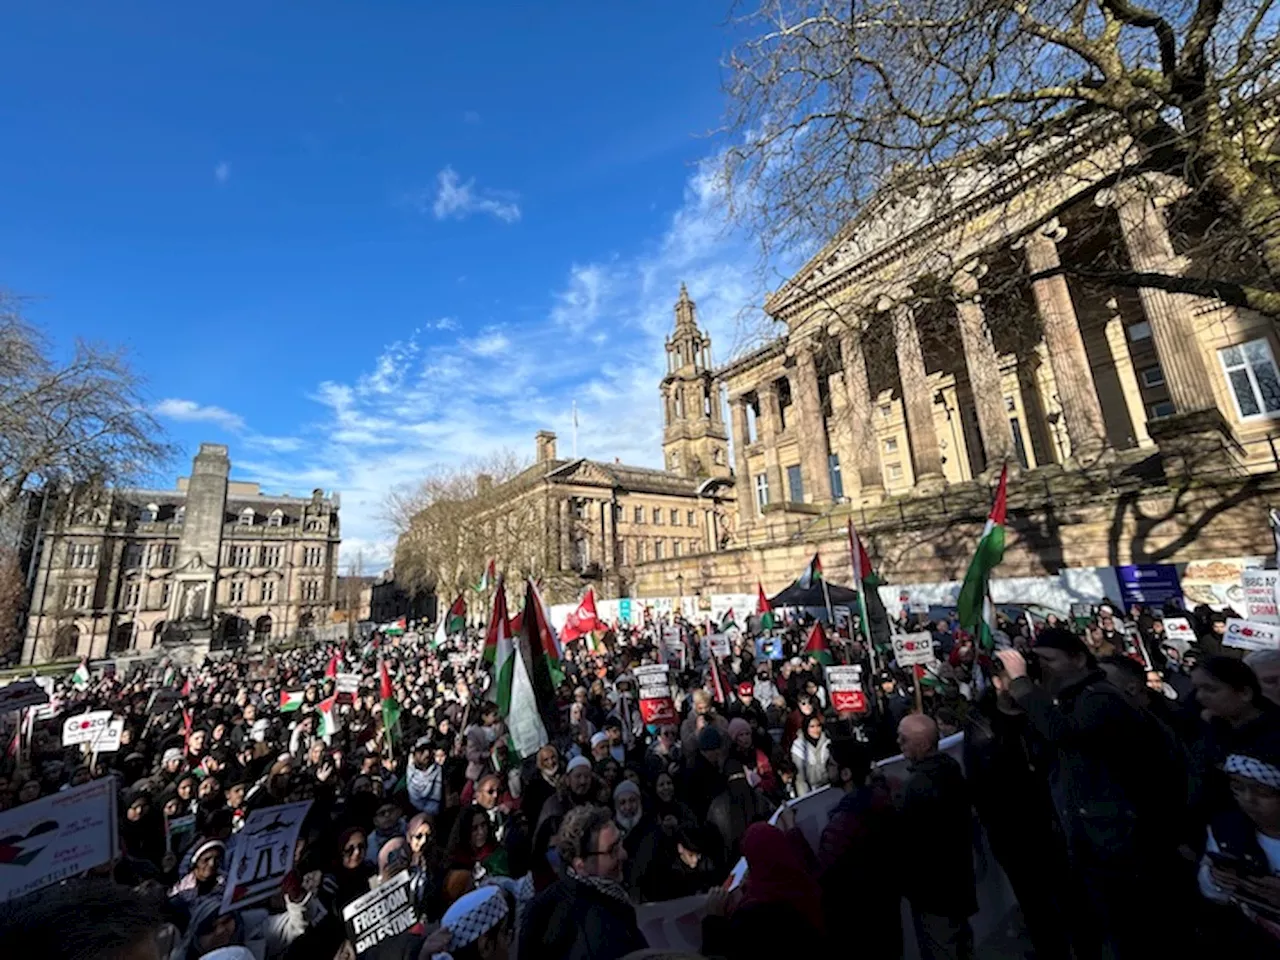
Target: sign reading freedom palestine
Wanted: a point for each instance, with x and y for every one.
(380, 914)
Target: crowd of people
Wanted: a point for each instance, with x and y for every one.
(1128, 786)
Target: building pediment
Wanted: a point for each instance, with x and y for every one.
(583, 472)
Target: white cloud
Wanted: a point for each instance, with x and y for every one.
(275, 444)
(491, 343)
(456, 200)
(578, 306)
(222, 172)
(445, 323)
(188, 411)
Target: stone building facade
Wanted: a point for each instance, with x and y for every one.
(1139, 424)
(214, 559)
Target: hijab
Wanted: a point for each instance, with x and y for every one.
(776, 874)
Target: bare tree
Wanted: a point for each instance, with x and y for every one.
(13, 600)
(832, 101)
(82, 421)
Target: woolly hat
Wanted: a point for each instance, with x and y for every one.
(624, 788)
(736, 726)
(576, 762)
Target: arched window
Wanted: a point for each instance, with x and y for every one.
(66, 642)
(275, 518)
(246, 517)
(149, 513)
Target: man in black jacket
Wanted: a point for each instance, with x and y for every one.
(586, 915)
(936, 827)
(1117, 788)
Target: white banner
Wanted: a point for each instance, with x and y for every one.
(1252, 635)
(263, 855)
(57, 837)
(910, 649)
(845, 686)
(85, 727)
(1260, 595)
(347, 683)
(109, 740)
(1179, 631)
(382, 913)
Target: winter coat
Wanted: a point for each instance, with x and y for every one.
(575, 921)
(426, 787)
(811, 763)
(936, 838)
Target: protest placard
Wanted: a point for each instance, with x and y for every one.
(163, 700)
(85, 727)
(263, 854)
(769, 648)
(57, 837)
(1252, 635)
(1260, 595)
(1179, 631)
(654, 683)
(674, 925)
(844, 683)
(910, 649)
(718, 644)
(346, 685)
(21, 694)
(108, 741)
(380, 914)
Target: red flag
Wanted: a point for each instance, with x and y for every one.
(332, 669)
(719, 683)
(583, 620)
(817, 646)
(186, 688)
(386, 692)
(858, 558)
(187, 721)
(762, 602)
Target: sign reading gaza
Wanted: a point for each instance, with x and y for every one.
(380, 914)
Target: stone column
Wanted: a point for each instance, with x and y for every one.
(742, 471)
(770, 424)
(1139, 205)
(984, 369)
(815, 447)
(1071, 372)
(566, 544)
(1118, 344)
(917, 395)
(865, 441)
(606, 534)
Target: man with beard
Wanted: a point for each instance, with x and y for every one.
(577, 787)
(641, 835)
(542, 785)
(1117, 791)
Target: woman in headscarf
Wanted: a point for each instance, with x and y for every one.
(781, 903)
(810, 753)
(736, 808)
(798, 719)
(743, 748)
(141, 829)
(425, 865)
(348, 876)
(205, 878)
(667, 809)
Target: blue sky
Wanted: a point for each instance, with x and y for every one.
(357, 240)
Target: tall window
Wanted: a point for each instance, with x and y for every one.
(691, 519)
(310, 589)
(795, 483)
(677, 547)
(79, 596)
(82, 556)
(268, 591)
(675, 518)
(837, 480)
(762, 490)
(657, 549)
(235, 594)
(313, 556)
(639, 515)
(622, 553)
(241, 556)
(132, 555)
(166, 591)
(657, 515)
(132, 592)
(1255, 383)
(270, 557)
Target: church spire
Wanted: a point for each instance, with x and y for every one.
(686, 312)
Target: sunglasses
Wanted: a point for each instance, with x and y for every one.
(354, 847)
(421, 836)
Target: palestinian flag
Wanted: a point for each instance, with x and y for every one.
(396, 628)
(487, 578)
(390, 707)
(863, 578)
(332, 669)
(763, 609)
(328, 725)
(581, 622)
(81, 677)
(719, 683)
(290, 700)
(977, 612)
(812, 573)
(513, 688)
(817, 648)
(186, 688)
(544, 654)
(728, 620)
(453, 622)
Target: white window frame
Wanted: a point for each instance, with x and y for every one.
(268, 591)
(246, 517)
(1148, 381)
(762, 490)
(275, 518)
(1263, 413)
(132, 594)
(166, 591)
(236, 591)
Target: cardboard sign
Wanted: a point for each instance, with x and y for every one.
(654, 683)
(1260, 595)
(381, 914)
(22, 694)
(57, 837)
(845, 686)
(718, 644)
(769, 648)
(910, 649)
(346, 684)
(1179, 630)
(1252, 635)
(85, 727)
(109, 741)
(674, 925)
(263, 854)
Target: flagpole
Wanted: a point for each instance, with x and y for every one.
(864, 622)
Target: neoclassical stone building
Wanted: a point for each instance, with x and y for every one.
(214, 559)
(940, 337)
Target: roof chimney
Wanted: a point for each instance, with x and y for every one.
(546, 446)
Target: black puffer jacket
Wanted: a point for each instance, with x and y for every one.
(574, 921)
(1115, 777)
(936, 822)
